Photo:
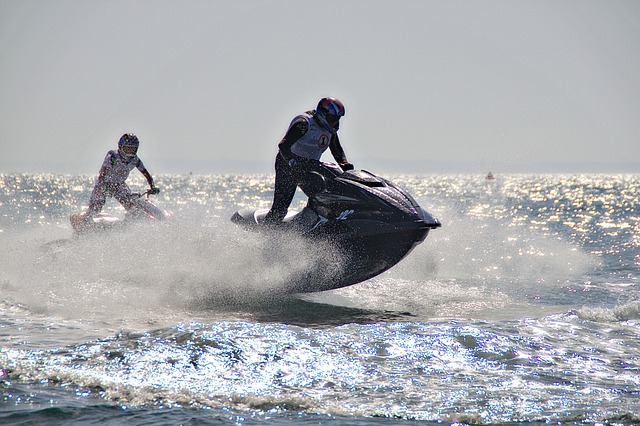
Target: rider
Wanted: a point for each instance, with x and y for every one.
(114, 172)
(299, 152)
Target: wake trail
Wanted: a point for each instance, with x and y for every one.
(153, 270)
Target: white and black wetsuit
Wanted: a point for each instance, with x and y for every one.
(111, 182)
(305, 140)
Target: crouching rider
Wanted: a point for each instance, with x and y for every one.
(308, 137)
(111, 181)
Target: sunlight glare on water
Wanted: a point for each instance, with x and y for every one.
(522, 307)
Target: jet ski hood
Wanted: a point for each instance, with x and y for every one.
(371, 193)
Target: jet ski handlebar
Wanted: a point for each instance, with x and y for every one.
(150, 191)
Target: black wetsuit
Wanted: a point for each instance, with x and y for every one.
(289, 177)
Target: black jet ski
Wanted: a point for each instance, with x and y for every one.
(143, 210)
(373, 222)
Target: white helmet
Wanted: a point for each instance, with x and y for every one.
(128, 146)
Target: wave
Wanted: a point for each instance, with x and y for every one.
(627, 312)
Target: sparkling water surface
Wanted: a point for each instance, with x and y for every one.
(523, 307)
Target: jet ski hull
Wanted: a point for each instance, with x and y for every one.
(142, 211)
(372, 222)
(368, 256)
(366, 248)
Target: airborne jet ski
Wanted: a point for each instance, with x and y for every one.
(373, 222)
(143, 210)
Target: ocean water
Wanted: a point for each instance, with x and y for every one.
(523, 307)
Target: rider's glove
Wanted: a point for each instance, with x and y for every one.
(154, 191)
(346, 166)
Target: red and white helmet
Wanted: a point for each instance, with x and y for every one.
(329, 111)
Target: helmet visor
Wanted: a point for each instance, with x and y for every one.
(131, 150)
(332, 119)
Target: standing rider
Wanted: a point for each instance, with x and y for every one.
(308, 137)
(112, 176)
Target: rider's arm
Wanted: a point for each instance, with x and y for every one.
(338, 153)
(336, 149)
(298, 128)
(145, 172)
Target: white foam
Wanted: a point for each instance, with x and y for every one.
(151, 269)
(478, 267)
(626, 312)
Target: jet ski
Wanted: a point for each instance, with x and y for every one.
(373, 222)
(143, 210)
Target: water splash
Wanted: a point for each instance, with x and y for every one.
(179, 266)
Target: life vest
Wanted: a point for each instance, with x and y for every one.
(118, 169)
(314, 142)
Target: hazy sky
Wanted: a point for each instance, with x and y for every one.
(429, 86)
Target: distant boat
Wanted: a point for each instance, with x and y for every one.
(490, 176)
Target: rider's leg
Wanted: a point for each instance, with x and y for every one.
(96, 202)
(285, 189)
(123, 194)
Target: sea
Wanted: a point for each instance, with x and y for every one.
(524, 307)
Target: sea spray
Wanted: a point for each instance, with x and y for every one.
(180, 265)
